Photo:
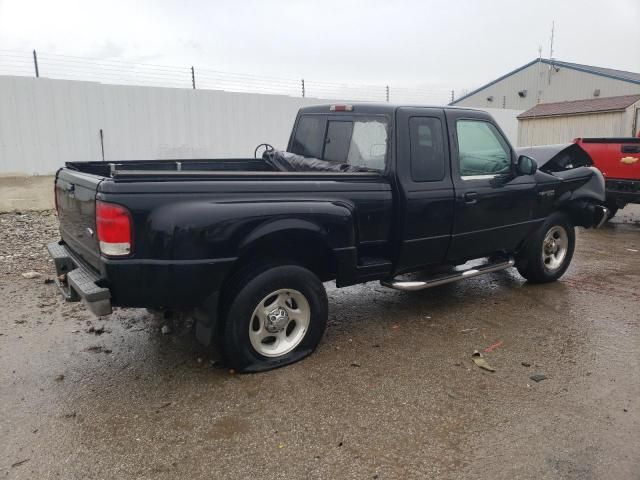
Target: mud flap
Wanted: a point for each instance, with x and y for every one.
(207, 319)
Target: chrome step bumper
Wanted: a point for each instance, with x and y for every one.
(76, 282)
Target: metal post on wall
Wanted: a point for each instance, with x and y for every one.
(193, 77)
(35, 63)
(303, 90)
(387, 93)
(102, 143)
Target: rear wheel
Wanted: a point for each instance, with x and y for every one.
(548, 253)
(276, 316)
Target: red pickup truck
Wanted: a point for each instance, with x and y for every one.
(619, 161)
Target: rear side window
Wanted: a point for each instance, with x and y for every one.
(309, 136)
(427, 149)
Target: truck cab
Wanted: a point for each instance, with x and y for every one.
(458, 192)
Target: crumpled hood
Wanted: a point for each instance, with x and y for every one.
(544, 153)
(554, 158)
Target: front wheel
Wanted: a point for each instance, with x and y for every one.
(549, 251)
(276, 316)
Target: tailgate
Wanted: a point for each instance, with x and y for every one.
(76, 200)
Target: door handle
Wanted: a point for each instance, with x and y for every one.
(470, 198)
(630, 149)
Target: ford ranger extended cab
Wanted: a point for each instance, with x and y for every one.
(364, 192)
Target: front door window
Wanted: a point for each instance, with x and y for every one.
(482, 151)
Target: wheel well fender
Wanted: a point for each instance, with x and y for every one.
(298, 241)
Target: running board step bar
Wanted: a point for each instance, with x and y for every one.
(411, 285)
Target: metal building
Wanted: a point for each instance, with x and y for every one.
(544, 81)
(561, 122)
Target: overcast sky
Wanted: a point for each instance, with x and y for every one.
(457, 44)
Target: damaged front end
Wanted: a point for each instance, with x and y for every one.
(566, 171)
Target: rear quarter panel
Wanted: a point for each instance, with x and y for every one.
(214, 219)
(196, 227)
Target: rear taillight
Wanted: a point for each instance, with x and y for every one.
(113, 226)
(55, 196)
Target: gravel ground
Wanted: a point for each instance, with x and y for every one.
(392, 392)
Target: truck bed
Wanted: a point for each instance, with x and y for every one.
(201, 169)
(218, 201)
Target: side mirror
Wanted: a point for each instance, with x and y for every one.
(526, 165)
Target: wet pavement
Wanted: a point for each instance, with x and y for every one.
(392, 391)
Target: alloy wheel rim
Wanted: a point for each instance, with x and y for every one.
(554, 248)
(279, 322)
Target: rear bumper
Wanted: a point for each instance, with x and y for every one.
(143, 283)
(623, 191)
(77, 282)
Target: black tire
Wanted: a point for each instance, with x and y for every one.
(531, 261)
(248, 288)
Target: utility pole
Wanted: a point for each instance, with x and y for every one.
(387, 91)
(303, 91)
(452, 97)
(35, 63)
(193, 77)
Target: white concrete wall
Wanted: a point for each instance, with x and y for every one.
(45, 122)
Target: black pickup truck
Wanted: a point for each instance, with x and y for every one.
(364, 192)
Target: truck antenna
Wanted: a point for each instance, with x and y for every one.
(540, 74)
(553, 28)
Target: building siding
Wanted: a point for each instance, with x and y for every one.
(563, 129)
(552, 130)
(544, 87)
